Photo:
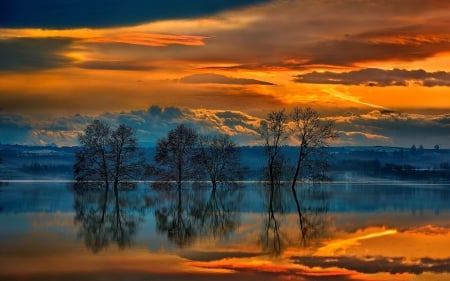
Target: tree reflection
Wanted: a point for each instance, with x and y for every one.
(105, 217)
(173, 214)
(310, 203)
(275, 197)
(217, 212)
(186, 214)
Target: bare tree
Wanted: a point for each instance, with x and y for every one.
(219, 157)
(92, 160)
(108, 155)
(127, 160)
(175, 154)
(313, 136)
(273, 131)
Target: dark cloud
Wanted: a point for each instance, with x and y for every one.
(349, 51)
(393, 128)
(212, 256)
(116, 65)
(103, 13)
(373, 128)
(372, 265)
(14, 128)
(378, 77)
(30, 54)
(220, 79)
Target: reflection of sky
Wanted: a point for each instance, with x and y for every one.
(364, 244)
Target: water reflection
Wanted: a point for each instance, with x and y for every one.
(104, 217)
(309, 203)
(198, 211)
(371, 237)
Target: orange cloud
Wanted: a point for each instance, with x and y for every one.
(149, 39)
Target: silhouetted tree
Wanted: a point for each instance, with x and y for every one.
(92, 160)
(413, 149)
(313, 136)
(273, 131)
(175, 154)
(108, 155)
(219, 157)
(127, 160)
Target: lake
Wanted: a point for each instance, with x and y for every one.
(382, 231)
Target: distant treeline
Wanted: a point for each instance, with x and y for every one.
(384, 162)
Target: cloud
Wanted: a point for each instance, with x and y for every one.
(333, 34)
(372, 128)
(102, 13)
(212, 78)
(212, 256)
(151, 125)
(375, 77)
(383, 127)
(117, 65)
(149, 39)
(372, 265)
(14, 128)
(31, 54)
(355, 138)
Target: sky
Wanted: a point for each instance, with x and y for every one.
(380, 69)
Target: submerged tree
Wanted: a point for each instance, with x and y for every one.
(127, 160)
(92, 160)
(175, 154)
(274, 131)
(219, 157)
(313, 136)
(108, 155)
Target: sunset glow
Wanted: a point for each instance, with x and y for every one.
(256, 56)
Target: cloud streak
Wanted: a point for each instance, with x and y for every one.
(212, 78)
(31, 54)
(372, 265)
(375, 77)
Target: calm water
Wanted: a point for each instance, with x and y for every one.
(339, 232)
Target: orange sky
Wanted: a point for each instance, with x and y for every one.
(338, 57)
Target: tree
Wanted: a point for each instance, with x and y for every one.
(273, 131)
(108, 155)
(127, 159)
(219, 158)
(312, 135)
(92, 160)
(175, 154)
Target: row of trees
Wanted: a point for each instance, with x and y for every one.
(111, 156)
(185, 155)
(108, 155)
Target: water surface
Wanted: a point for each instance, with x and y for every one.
(386, 231)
